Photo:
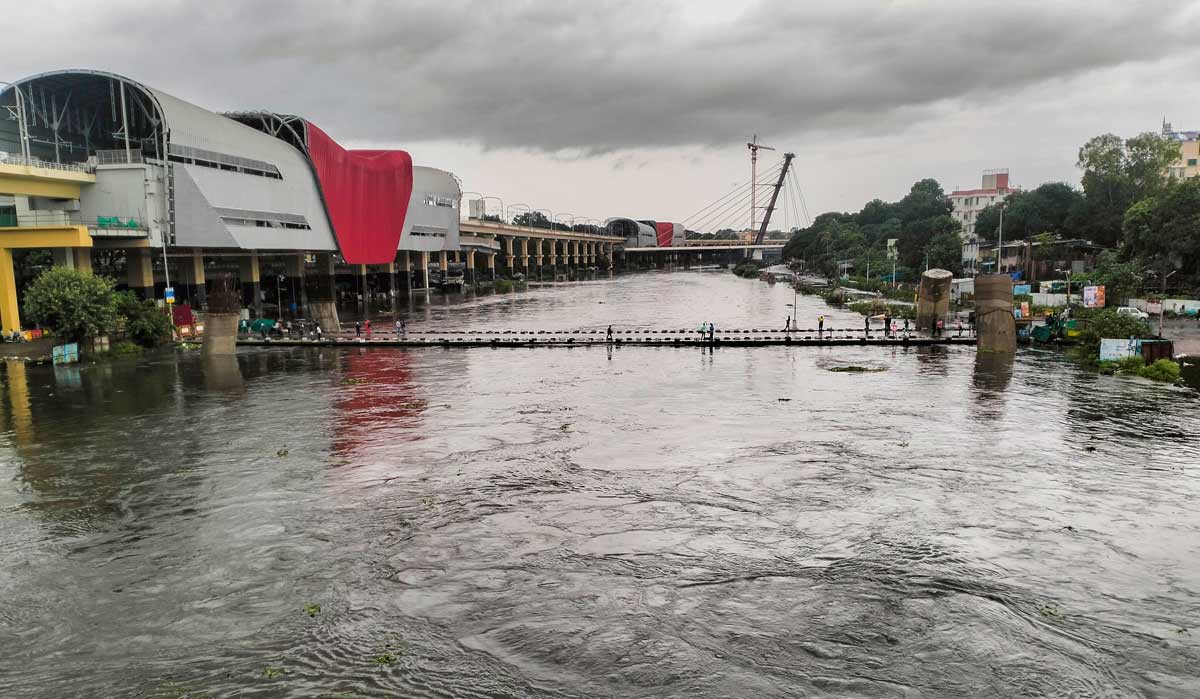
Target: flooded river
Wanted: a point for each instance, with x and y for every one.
(640, 522)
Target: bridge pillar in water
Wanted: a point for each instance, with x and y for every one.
(251, 279)
(995, 326)
(443, 262)
(317, 295)
(491, 264)
(296, 282)
(139, 272)
(933, 298)
(193, 275)
(403, 280)
(421, 280)
(509, 258)
(525, 255)
(539, 257)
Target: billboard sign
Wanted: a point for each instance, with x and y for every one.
(1112, 350)
(1022, 290)
(1093, 296)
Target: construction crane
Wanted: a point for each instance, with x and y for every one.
(762, 232)
(754, 147)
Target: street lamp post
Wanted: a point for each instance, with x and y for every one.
(463, 194)
(501, 206)
(279, 296)
(508, 215)
(1161, 301)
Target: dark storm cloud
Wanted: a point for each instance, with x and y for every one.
(599, 76)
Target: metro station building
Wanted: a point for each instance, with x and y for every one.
(101, 172)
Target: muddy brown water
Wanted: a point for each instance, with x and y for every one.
(641, 522)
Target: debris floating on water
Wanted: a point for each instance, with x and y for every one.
(855, 369)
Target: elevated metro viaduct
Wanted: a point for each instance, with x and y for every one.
(118, 176)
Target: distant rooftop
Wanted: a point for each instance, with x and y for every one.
(1170, 132)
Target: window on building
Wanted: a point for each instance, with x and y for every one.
(1191, 162)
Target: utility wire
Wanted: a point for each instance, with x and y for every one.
(740, 188)
(739, 204)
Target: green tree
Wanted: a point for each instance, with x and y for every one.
(1164, 230)
(532, 219)
(145, 323)
(1054, 207)
(73, 304)
(1107, 323)
(1121, 278)
(1116, 174)
(944, 251)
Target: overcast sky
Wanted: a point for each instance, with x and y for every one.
(599, 108)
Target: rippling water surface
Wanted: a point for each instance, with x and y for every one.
(641, 522)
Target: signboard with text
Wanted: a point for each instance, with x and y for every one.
(1093, 296)
(1112, 350)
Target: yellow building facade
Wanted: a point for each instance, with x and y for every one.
(1188, 164)
(39, 204)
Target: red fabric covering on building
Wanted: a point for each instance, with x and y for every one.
(665, 231)
(366, 194)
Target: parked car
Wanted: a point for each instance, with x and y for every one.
(1131, 311)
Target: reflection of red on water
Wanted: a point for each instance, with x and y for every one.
(376, 401)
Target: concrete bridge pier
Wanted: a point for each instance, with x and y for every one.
(295, 276)
(470, 273)
(421, 280)
(403, 273)
(139, 272)
(193, 278)
(316, 290)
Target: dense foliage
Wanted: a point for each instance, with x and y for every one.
(1127, 203)
(145, 324)
(77, 306)
(73, 304)
(1055, 208)
(921, 222)
(1104, 323)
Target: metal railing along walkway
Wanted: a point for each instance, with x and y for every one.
(752, 337)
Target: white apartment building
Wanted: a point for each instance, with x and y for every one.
(968, 203)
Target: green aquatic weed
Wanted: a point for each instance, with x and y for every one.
(272, 672)
(312, 609)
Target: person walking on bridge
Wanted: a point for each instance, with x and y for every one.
(608, 336)
(887, 324)
(820, 326)
(712, 332)
(867, 327)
